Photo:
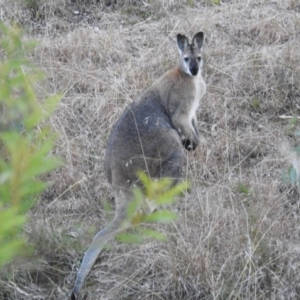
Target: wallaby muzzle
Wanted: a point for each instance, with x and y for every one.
(194, 68)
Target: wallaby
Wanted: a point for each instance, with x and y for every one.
(148, 137)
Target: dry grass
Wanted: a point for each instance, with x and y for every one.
(238, 235)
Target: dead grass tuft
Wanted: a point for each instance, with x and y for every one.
(237, 236)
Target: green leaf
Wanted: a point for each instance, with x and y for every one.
(153, 234)
(161, 216)
(10, 220)
(129, 238)
(10, 249)
(144, 178)
(169, 196)
(292, 175)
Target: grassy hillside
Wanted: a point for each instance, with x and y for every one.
(238, 234)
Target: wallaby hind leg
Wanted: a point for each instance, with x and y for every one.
(167, 163)
(171, 154)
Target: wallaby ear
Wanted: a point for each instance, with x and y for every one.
(182, 42)
(198, 39)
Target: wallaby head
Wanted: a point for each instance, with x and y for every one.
(190, 54)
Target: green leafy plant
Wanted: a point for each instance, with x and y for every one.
(255, 103)
(243, 189)
(157, 193)
(24, 143)
(215, 2)
(291, 174)
(291, 126)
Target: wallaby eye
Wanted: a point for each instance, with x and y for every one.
(186, 59)
(199, 58)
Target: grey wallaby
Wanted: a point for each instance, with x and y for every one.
(149, 137)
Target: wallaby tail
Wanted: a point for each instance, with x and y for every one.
(98, 243)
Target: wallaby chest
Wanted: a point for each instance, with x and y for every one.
(199, 89)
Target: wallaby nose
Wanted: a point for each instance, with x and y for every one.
(194, 68)
(194, 71)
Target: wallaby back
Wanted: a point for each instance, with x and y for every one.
(148, 137)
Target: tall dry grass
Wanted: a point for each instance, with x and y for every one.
(237, 236)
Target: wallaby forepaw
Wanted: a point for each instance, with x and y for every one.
(188, 145)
